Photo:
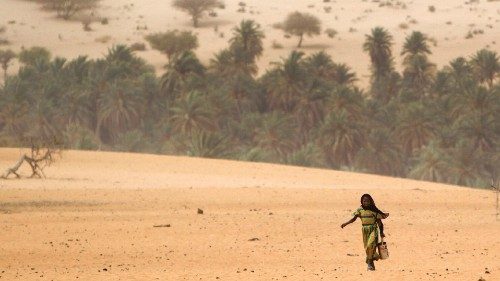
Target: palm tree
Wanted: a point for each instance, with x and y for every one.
(486, 66)
(79, 137)
(378, 45)
(419, 74)
(320, 64)
(13, 118)
(285, 82)
(415, 44)
(308, 156)
(5, 57)
(223, 64)
(343, 75)
(415, 128)
(178, 71)
(351, 101)
(208, 145)
(120, 62)
(473, 99)
(274, 134)
(380, 154)
(310, 111)
(467, 164)
(235, 72)
(76, 107)
(246, 45)
(480, 130)
(119, 108)
(432, 164)
(78, 68)
(190, 113)
(340, 138)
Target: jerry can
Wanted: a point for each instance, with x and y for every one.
(382, 250)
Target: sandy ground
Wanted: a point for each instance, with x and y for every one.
(28, 26)
(93, 218)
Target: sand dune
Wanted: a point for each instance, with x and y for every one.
(448, 26)
(93, 218)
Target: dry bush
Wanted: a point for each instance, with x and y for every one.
(138, 46)
(43, 153)
(276, 45)
(403, 25)
(103, 39)
(330, 32)
(66, 9)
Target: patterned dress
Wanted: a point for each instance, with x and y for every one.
(370, 232)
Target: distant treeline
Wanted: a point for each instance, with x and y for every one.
(424, 123)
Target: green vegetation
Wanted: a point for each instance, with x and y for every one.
(424, 123)
(172, 43)
(6, 56)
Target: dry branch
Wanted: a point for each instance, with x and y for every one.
(38, 160)
(13, 169)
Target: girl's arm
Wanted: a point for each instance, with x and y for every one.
(349, 222)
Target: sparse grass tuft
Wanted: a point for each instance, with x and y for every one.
(276, 45)
(403, 25)
(103, 39)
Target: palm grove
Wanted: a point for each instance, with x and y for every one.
(424, 123)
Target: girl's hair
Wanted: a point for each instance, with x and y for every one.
(372, 206)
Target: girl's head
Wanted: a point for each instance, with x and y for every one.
(367, 201)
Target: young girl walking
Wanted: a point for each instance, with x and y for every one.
(370, 217)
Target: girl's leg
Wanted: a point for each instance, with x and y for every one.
(370, 238)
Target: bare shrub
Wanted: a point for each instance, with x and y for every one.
(138, 46)
(330, 32)
(42, 155)
(66, 9)
(276, 45)
(103, 39)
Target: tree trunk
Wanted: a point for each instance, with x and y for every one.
(4, 74)
(195, 21)
(300, 40)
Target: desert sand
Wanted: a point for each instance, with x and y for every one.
(94, 218)
(130, 21)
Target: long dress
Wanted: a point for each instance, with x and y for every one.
(370, 232)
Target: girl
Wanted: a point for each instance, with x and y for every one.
(370, 216)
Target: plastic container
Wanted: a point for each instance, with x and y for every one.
(382, 250)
